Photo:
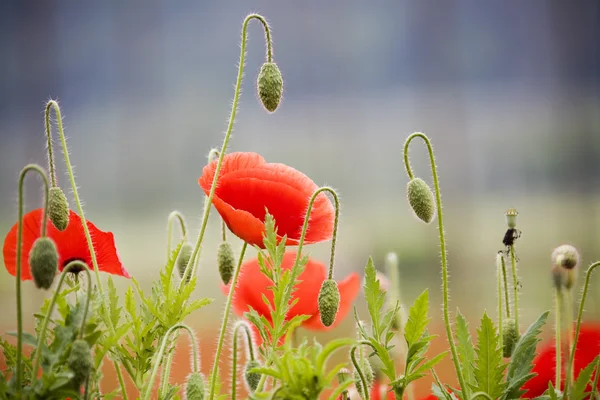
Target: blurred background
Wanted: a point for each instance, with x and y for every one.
(507, 91)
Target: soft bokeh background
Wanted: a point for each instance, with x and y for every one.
(507, 91)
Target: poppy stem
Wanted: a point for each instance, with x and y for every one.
(215, 370)
(444, 256)
(569, 322)
(42, 173)
(76, 264)
(507, 301)
(241, 324)
(363, 379)
(513, 263)
(51, 164)
(161, 352)
(578, 327)
(236, 97)
(182, 225)
(54, 105)
(500, 302)
(557, 328)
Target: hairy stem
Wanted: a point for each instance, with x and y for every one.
(500, 302)
(363, 380)
(513, 262)
(172, 216)
(244, 325)
(507, 301)
(569, 322)
(557, 331)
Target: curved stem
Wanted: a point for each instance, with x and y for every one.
(578, 326)
(195, 253)
(42, 339)
(557, 329)
(240, 324)
(24, 171)
(449, 333)
(51, 165)
(172, 216)
(505, 286)
(569, 323)
(513, 263)
(215, 370)
(343, 387)
(161, 353)
(363, 380)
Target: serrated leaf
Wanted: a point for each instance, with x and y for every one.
(374, 296)
(26, 338)
(417, 319)
(489, 368)
(429, 364)
(583, 379)
(466, 352)
(113, 299)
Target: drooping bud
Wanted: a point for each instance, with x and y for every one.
(195, 387)
(329, 301)
(565, 259)
(270, 86)
(420, 198)
(251, 379)
(368, 374)
(185, 253)
(511, 217)
(226, 262)
(80, 361)
(58, 208)
(510, 336)
(43, 261)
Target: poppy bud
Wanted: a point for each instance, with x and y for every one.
(343, 375)
(367, 371)
(251, 378)
(183, 259)
(565, 256)
(559, 277)
(329, 301)
(80, 361)
(58, 208)
(511, 217)
(510, 337)
(420, 198)
(195, 387)
(43, 261)
(225, 261)
(270, 86)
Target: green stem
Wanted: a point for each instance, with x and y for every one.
(244, 325)
(513, 263)
(161, 353)
(335, 227)
(215, 370)
(172, 216)
(363, 380)
(42, 339)
(24, 171)
(51, 165)
(578, 327)
(505, 286)
(569, 323)
(191, 271)
(54, 105)
(500, 302)
(480, 394)
(557, 331)
(595, 384)
(340, 390)
(446, 312)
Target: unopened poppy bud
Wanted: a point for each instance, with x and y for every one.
(343, 375)
(43, 261)
(559, 277)
(565, 256)
(510, 336)
(329, 301)
(226, 262)
(270, 86)
(511, 217)
(420, 198)
(80, 361)
(58, 208)
(251, 378)
(367, 371)
(183, 259)
(195, 387)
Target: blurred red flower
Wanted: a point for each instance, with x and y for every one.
(588, 347)
(71, 245)
(253, 284)
(380, 392)
(248, 184)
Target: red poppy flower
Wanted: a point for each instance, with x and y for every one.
(588, 347)
(248, 184)
(253, 284)
(380, 392)
(71, 245)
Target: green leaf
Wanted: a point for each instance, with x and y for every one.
(466, 352)
(583, 379)
(489, 368)
(521, 362)
(374, 296)
(27, 338)
(417, 319)
(115, 310)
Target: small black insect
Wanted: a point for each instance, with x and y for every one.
(511, 235)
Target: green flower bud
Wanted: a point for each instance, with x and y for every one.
(511, 217)
(343, 375)
(225, 261)
(80, 361)
(329, 301)
(270, 86)
(251, 378)
(58, 208)
(367, 371)
(195, 387)
(420, 198)
(43, 261)
(183, 259)
(510, 336)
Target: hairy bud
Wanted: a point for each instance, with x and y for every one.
(226, 262)
(195, 387)
(43, 261)
(58, 208)
(510, 337)
(270, 86)
(329, 301)
(420, 198)
(565, 256)
(80, 361)
(368, 374)
(251, 378)
(183, 259)
(511, 217)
